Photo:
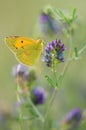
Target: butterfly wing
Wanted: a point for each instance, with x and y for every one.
(10, 42)
(27, 50)
(30, 54)
(15, 44)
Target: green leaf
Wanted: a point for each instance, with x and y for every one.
(29, 107)
(49, 80)
(76, 52)
(59, 80)
(60, 13)
(34, 111)
(74, 13)
(75, 55)
(62, 16)
(31, 110)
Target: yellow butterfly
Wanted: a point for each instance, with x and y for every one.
(26, 50)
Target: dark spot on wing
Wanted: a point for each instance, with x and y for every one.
(12, 36)
(22, 47)
(21, 41)
(15, 47)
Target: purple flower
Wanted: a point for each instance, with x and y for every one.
(48, 25)
(38, 95)
(73, 118)
(19, 70)
(54, 50)
(24, 76)
(43, 18)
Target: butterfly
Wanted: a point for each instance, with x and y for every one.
(26, 50)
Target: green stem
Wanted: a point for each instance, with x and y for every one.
(52, 98)
(49, 109)
(19, 109)
(55, 91)
(69, 55)
(82, 49)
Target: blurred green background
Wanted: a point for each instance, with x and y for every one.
(18, 17)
